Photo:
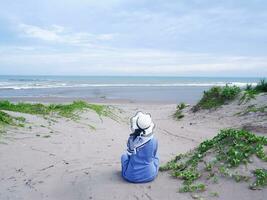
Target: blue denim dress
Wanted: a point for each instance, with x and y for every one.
(143, 165)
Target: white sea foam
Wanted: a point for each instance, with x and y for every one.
(47, 85)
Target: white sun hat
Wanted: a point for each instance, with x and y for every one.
(142, 121)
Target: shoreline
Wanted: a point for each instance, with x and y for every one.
(102, 89)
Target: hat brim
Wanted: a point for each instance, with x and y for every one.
(150, 129)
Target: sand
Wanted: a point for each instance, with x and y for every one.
(68, 160)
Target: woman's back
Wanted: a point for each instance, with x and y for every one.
(143, 165)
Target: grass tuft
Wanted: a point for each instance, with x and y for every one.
(24, 108)
(217, 157)
(68, 110)
(179, 111)
(8, 120)
(64, 110)
(217, 96)
(251, 92)
(261, 86)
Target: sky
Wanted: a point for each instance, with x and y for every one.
(134, 37)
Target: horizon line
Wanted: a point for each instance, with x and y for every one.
(171, 76)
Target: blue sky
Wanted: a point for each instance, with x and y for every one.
(134, 37)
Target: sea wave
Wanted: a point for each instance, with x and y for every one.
(8, 85)
(26, 80)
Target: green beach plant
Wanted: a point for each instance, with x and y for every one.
(248, 95)
(217, 96)
(24, 108)
(68, 110)
(218, 157)
(261, 179)
(261, 86)
(200, 187)
(179, 111)
(181, 106)
(8, 120)
(64, 110)
(250, 92)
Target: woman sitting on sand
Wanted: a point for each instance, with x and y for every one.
(141, 162)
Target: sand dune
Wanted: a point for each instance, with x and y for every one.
(64, 159)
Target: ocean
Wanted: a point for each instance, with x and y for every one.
(137, 89)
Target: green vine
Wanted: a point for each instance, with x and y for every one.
(218, 157)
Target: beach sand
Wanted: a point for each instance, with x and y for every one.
(66, 159)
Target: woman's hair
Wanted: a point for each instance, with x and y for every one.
(136, 133)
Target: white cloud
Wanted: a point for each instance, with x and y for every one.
(135, 62)
(60, 34)
(114, 36)
(39, 33)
